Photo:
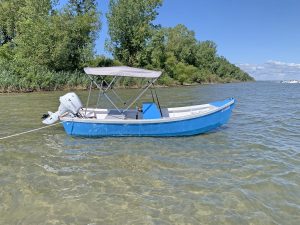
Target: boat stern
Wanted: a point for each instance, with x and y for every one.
(68, 126)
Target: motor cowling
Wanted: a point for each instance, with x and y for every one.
(69, 103)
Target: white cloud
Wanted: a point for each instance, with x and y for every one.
(284, 64)
(272, 70)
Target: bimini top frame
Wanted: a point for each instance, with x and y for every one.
(117, 72)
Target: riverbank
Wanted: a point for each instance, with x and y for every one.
(66, 81)
(81, 88)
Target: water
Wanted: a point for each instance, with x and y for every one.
(247, 172)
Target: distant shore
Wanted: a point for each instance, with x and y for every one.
(82, 88)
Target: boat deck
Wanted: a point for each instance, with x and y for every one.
(113, 114)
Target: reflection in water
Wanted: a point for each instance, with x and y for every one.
(246, 172)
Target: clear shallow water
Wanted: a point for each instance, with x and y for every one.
(248, 172)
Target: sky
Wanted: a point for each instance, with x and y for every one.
(260, 36)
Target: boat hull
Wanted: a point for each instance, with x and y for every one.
(184, 127)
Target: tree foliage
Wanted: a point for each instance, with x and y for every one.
(8, 18)
(40, 41)
(184, 59)
(130, 25)
(135, 41)
(57, 40)
(35, 36)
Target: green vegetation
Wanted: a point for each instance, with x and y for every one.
(135, 41)
(45, 47)
(42, 48)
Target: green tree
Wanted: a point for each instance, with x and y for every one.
(229, 72)
(57, 40)
(187, 60)
(8, 18)
(33, 38)
(154, 55)
(43, 39)
(184, 73)
(172, 50)
(82, 24)
(181, 42)
(81, 7)
(205, 54)
(130, 26)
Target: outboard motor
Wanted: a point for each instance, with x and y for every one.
(69, 103)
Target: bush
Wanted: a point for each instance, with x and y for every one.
(165, 80)
(37, 78)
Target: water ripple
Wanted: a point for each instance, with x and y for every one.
(247, 172)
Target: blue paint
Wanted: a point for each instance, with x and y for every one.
(150, 111)
(187, 127)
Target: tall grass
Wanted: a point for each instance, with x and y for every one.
(41, 80)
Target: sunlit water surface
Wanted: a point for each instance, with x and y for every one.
(247, 172)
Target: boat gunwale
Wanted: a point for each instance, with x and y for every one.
(147, 121)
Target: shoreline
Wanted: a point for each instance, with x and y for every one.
(80, 88)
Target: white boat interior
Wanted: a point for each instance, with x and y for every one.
(133, 114)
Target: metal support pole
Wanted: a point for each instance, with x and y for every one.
(88, 100)
(116, 94)
(103, 91)
(157, 101)
(110, 84)
(99, 95)
(139, 96)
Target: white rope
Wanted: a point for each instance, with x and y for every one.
(29, 131)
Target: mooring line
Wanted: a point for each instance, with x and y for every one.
(29, 131)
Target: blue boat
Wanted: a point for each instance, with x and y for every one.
(148, 120)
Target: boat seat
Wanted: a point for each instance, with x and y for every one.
(115, 114)
(101, 116)
(150, 111)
